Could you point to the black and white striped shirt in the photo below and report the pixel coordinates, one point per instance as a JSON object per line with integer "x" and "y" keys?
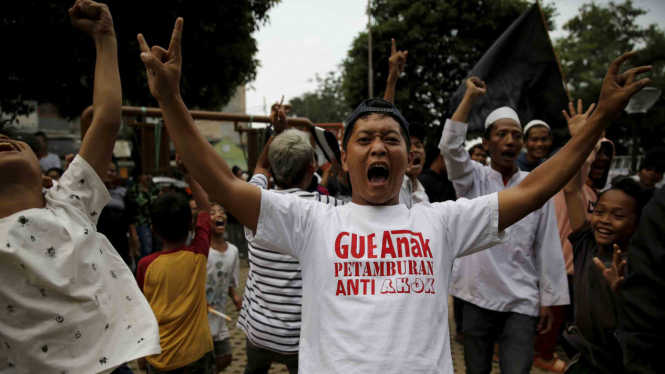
{"x": 271, "y": 307}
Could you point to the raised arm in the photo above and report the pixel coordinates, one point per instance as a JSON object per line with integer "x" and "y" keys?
{"x": 573, "y": 189}
{"x": 396, "y": 64}
{"x": 459, "y": 166}
{"x": 239, "y": 198}
{"x": 278, "y": 121}
{"x": 543, "y": 182}
{"x": 97, "y": 147}
{"x": 201, "y": 198}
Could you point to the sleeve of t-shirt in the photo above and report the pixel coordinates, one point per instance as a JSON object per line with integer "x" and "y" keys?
{"x": 471, "y": 225}
{"x": 549, "y": 259}
{"x": 285, "y": 222}
{"x": 81, "y": 187}
{"x": 141, "y": 268}
{"x": 202, "y": 234}
{"x": 260, "y": 181}
{"x": 580, "y": 237}
{"x": 462, "y": 171}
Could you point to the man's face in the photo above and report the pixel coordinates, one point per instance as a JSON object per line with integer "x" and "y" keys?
{"x": 218, "y": 219}
{"x": 600, "y": 163}
{"x": 19, "y": 164}
{"x": 479, "y": 155}
{"x": 650, "y": 176}
{"x": 614, "y": 219}
{"x": 53, "y": 175}
{"x": 112, "y": 174}
{"x": 538, "y": 142}
{"x": 505, "y": 142}
{"x": 376, "y": 160}
{"x": 418, "y": 152}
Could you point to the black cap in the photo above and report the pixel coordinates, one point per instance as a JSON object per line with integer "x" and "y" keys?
{"x": 375, "y": 106}
{"x": 418, "y": 130}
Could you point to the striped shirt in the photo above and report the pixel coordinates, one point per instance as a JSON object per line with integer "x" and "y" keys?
{"x": 271, "y": 307}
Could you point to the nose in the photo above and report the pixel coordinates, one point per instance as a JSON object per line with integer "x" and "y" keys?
{"x": 377, "y": 147}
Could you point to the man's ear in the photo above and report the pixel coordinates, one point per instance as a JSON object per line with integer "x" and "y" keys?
{"x": 313, "y": 167}
{"x": 486, "y": 146}
{"x": 409, "y": 161}
{"x": 47, "y": 182}
{"x": 346, "y": 168}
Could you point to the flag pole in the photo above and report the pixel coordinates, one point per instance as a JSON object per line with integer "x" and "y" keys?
{"x": 563, "y": 76}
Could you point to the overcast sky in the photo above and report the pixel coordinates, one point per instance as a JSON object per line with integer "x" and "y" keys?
{"x": 306, "y": 37}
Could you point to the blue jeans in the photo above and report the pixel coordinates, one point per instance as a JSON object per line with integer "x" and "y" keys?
{"x": 122, "y": 369}
{"x": 145, "y": 239}
{"x": 515, "y": 333}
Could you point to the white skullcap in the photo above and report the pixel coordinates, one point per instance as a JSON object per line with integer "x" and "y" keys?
{"x": 502, "y": 113}
{"x": 535, "y": 122}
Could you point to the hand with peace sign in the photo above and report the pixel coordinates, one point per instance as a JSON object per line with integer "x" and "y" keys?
{"x": 619, "y": 87}
{"x": 163, "y": 66}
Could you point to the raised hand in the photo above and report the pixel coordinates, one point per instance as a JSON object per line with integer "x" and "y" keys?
{"x": 278, "y": 118}
{"x": 619, "y": 87}
{"x": 163, "y": 66}
{"x": 577, "y": 119}
{"x": 613, "y": 275}
{"x": 180, "y": 164}
{"x": 396, "y": 62}
{"x": 475, "y": 87}
{"x": 93, "y": 18}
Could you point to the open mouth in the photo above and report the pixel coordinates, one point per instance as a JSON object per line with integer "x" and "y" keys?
{"x": 220, "y": 223}
{"x": 8, "y": 147}
{"x": 508, "y": 155}
{"x": 604, "y": 233}
{"x": 378, "y": 173}
{"x": 416, "y": 161}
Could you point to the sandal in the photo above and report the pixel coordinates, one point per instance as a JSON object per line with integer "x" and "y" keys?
{"x": 557, "y": 366}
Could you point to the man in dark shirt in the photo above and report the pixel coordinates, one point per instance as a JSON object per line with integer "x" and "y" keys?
{"x": 435, "y": 180}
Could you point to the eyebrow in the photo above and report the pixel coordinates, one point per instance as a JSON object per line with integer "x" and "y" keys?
{"x": 383, "y": 132}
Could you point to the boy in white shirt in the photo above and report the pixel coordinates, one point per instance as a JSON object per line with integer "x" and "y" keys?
{"x": 375, "y": 274}
{"x": 70, "y": 304}
{"x": 222, "y": 280}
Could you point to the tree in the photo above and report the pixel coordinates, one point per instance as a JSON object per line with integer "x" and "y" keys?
{"x": 444, "y": 38}
{"x": 597, "y": 35}
{"x": 46, "y": 60}
{"x": 325, "y": 104}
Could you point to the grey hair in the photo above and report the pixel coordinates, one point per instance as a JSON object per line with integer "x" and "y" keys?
{"x": 290, "y": 153}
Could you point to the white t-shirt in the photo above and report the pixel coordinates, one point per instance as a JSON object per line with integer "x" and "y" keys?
{"x": 378, "y": 305}
{"x": 69, "y": 302}
{"x": 49, "y": 162}
{"x": 223, "y": 271}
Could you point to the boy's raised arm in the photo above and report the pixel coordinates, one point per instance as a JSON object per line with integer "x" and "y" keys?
{"x": 545, "y": 181}
{"x": 396, "y": 64}
{"x": 97, "y": 148}
{"x": 209, "y": 169}
{"x": 573, "y": 189}
{"x": 199, "y": 195}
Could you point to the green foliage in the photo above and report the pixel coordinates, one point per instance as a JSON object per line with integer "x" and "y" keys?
{"x": 47, "y": 60}
{"x": 444, "y": 38}
{"x": 599, "y": 34}
{"x": 325, "y": 104}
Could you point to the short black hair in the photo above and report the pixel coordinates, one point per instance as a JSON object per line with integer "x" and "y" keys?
{"x": 41, "y": 133}
{"x": 171, "y": 217}
{"x": 477, "y": 146}
{"x": 655, "y": 158}
{"x": 235, "y": 169}
{"x": 634, "y": 189}
{"x": 381, "y": 115}
{"x": 57, "y": 170}
{"x": 418, "y": 130}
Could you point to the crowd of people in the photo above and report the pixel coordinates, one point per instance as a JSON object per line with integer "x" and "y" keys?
{"x": 349, "y": 268}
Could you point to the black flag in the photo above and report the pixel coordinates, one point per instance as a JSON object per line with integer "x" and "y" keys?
{"x": 522, "y": 72}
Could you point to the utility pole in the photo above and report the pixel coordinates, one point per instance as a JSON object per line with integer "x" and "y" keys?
{"x": 370, "y": 71}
